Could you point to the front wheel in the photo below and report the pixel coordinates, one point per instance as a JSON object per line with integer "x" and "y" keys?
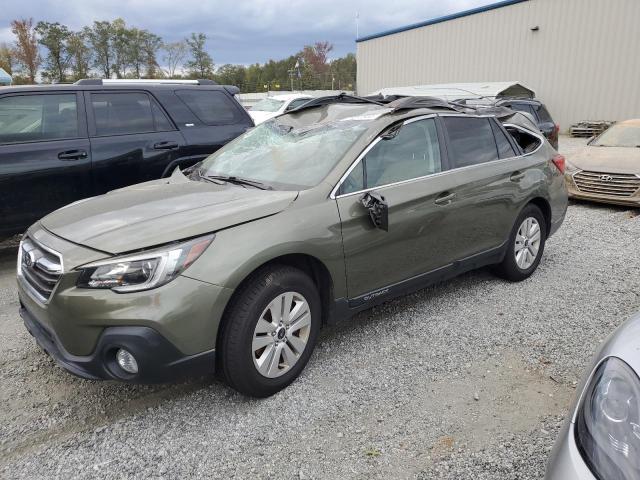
{"x": 525, "y": 247}
{"x": 269, "y": 331}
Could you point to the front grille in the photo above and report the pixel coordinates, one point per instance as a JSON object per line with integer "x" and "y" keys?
{"x": 40, "y": 268}
{"x": 617, "y": 184}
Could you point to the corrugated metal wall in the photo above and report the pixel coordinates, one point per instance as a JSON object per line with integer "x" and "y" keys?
{"x": 584, "y": 62}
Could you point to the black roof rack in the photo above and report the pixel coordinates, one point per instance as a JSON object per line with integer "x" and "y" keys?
{"x": 113, "y": 81}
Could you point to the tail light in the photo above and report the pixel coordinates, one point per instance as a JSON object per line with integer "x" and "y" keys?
{"x": 559, "y": 161}
{"x": 556, "y": 129}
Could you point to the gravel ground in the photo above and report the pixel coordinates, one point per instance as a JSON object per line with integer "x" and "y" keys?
{"x": 467, "y": 379}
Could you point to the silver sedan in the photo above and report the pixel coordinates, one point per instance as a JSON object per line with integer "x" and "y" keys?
{"x": 601, "y": 436}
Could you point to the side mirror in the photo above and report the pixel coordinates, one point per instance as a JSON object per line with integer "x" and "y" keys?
{"x": 378, "y": 209}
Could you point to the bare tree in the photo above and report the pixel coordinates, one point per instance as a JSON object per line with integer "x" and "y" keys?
{"x": 26, "y": 51}
{"x": 174, "y": 56}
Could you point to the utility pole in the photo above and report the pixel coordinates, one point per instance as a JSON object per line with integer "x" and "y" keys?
{"x": 357, "y": 25}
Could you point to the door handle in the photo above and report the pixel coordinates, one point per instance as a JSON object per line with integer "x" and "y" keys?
{"x": 517, "y": 176}
{"x": 72, "y": 155}
{"x": 445, "y": 198}
{"x": 165, "y": 145}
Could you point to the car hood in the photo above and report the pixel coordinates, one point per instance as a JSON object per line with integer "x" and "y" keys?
{"x": 259, "y": 116}
{"x": 161, "y": 211}
{"x": 607, "y": 159}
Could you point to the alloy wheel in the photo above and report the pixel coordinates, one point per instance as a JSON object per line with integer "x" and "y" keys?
{"x": 281, "y": 334}
{"x": 527, "y": 243}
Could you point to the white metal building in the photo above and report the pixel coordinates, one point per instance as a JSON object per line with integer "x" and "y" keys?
{"x": 582, "y": 57}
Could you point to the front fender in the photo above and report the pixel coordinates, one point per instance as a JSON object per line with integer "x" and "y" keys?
{"x": 312, "y": 230}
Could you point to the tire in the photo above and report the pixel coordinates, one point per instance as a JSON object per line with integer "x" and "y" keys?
{"x": 266, "y": 322}
{"x": 518, "y": 266}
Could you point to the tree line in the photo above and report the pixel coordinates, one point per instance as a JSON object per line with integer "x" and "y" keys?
{"x": 50, "y": 52}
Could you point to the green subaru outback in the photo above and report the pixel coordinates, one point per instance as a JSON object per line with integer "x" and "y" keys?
{"x": 235, "y": 265}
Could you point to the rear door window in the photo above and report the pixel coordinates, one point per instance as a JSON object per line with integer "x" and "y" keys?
{"x": 210, "y": 107}
{"x": 471, "y": 141}
{"x": 37, "y": 117}
{"x": 119, "y": 113}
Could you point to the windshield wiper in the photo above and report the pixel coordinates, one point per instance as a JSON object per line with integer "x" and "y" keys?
{"x": 238, "y": 181}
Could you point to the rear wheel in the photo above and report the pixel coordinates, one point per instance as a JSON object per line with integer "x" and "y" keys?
{"x": 269, "y": 331}
{"x": 526, "y": 245}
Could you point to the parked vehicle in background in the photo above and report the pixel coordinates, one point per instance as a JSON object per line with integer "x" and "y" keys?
{"x": 540, "y": 114}
{"x": 531, "y": 106}
{"x": 607, "y": 169}
{"x": 62, "y": 143}
{"x": 600, "y": 439}
{"x": 276, "y": 105}
{"x": 304, "y": 220}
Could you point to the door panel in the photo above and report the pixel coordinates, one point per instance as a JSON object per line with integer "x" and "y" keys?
{"x": 34, "y": 181}
{"x": 123, "y": 160}
{"x": 482, "y": 213}
{"x": 132, "y": 141}
{"x": 417, "y": 240}
{"x": 41, "y": 169}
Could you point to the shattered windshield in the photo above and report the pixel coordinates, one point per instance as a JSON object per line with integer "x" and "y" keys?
{"x": 285, "y": 157}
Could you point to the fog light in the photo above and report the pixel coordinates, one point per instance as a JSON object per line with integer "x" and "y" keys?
{"x": 127, "y": 361}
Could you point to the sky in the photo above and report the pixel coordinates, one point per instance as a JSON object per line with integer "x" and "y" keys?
{"x": 242, "y": 31}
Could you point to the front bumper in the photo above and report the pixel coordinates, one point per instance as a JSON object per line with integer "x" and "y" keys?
{"x": 158, "y": 359}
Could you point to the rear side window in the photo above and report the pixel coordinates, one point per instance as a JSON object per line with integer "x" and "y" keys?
{"x": 119, "y": 113}
{"x": 211, "y": 107}
{"x": 543, "y": 114}
{"x": 471, "y": 140}
{"x": 30, "y": 118}
{"x": 505, "y": 150}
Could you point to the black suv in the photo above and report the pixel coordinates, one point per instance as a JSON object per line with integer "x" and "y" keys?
{"x": 62, "y": 143}
{"x": 540, "y": 115}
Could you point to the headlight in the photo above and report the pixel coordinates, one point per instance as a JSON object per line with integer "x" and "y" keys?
{"x": 608, "y": 422}
{"x": 144, "y": 270}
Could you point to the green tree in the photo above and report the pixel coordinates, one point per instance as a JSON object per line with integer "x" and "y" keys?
{"x": 121, "y": 41}
{"x": 201, "y": 63}
{"x": 80, "y": 54}
{"x": 230, "y": 75}
{"x": 54, "y": 37}
{"x": 343, "y": 72}
{"x": 99, "y": 37}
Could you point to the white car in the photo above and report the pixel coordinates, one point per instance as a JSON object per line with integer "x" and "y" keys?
{"x": 273, "y": 106}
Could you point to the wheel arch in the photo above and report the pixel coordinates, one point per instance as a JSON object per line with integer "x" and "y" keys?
{"x": 309, "y": 264}
{"x": 545, "y": 208}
